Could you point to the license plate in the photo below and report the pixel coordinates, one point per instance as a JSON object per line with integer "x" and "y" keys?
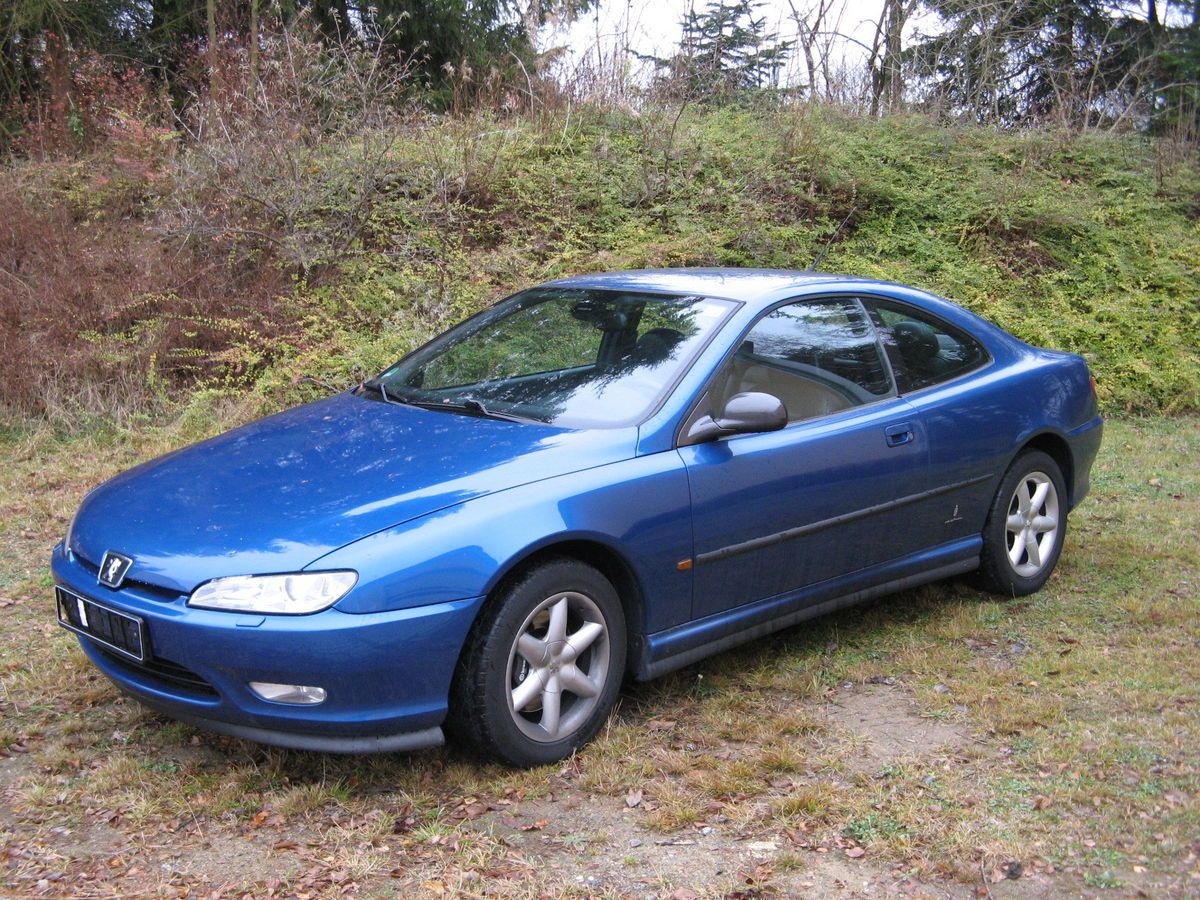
{"x": 116, "y": 630}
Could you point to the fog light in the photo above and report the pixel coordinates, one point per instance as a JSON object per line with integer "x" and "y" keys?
{"x": 298, "y": 694}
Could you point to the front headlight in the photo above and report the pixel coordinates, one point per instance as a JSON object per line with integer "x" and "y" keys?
{"x": 303, "y": 592}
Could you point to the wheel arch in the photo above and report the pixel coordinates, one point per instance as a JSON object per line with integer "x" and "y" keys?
{"x": 601, "y": 556}
{"x": 1058, "y": 449}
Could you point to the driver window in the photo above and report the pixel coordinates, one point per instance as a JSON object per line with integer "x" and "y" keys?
{"x": 817, "y": 356}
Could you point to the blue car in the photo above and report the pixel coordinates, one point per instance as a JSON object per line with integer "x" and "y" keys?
{"x": 603, "y": 477}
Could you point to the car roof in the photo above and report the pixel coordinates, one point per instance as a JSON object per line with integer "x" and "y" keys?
{"x": 745, "y": 285}
{"x": 759, "y": 289}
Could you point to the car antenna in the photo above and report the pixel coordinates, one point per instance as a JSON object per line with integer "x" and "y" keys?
{"x": 833, "y": 237}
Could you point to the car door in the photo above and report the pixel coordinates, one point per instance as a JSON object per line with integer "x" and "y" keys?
{"x": 968, "y": 440}
{"x": 779, "y": 511}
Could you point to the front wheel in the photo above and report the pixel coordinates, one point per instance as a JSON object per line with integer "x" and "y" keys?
{"x": 1026, "y": 526}
{"x": 542, "y": 668}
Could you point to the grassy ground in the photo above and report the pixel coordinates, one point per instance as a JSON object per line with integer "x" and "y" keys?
{"x": 936, "y": 742}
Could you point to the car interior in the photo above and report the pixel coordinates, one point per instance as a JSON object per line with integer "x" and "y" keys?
{"x": 805, "y": 390}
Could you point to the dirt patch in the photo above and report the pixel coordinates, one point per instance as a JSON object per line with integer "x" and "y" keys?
{"x": 888, "y": 727}
{"x": 223, "y": 860}
{"x": 610, "y": 848}
{"x": 600, "y": 846}
{"x": 13, "y": 769}
{"x": 64, "y": 861}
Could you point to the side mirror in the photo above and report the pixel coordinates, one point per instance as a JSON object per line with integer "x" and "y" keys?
{"x": 748, "y": 413}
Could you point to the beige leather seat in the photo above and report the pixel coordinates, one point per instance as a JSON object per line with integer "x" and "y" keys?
{"x": 803, "y": 397}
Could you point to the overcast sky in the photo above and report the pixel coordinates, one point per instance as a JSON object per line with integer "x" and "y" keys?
{"x": 653, "y": 26}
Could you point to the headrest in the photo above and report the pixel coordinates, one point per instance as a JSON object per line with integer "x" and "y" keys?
{"x": 916, "y": 340}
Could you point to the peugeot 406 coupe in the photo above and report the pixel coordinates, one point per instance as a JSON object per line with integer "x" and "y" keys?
{"x": 603, "y": 477}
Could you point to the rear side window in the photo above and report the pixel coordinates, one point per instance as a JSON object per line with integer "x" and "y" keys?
{"x": 922, "y": 348}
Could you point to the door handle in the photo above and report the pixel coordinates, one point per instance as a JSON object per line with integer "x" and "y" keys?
{"x": 899, "y": 434}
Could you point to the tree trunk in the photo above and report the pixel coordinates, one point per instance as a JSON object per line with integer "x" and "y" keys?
{"x": 1064, "y": 79}
{"x": 345, "y": 31}
{"x": 888, "y": 90}
{"x": 891, "y": 58}
{"x": 876, "y": 62}
{"x": 253, "y": 45}
{"x": 59, "y": 79}
{"x": 807, "y": 34}
{"x": 211, "y": 12}
{"x": 532, "y": 23}
{"x": 810, "y": 64}
{"x": 10, "y": 83}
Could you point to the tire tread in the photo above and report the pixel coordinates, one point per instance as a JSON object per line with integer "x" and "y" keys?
{"x": 995, "y": 574}
{"x": 473, "y": 721}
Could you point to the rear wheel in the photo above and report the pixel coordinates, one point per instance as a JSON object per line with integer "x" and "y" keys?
{"x": 1026, "y": 525}
{"x": 542, "y": 668}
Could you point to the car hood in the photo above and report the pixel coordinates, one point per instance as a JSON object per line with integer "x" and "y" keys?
{"x": 275, "y": 495}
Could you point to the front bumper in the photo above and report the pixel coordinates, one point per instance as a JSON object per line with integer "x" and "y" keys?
{"x": 387, "y": 674}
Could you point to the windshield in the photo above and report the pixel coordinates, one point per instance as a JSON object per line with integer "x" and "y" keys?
{"x": 571, "y": 357}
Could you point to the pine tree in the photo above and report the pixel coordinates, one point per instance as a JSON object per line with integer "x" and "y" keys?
{"x": 1079, "y": 63}
{"x": 1175, "y": 92}
{"x": 726, "y": 53}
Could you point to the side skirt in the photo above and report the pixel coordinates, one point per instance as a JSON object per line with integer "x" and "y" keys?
{"x": 685, "y": 644}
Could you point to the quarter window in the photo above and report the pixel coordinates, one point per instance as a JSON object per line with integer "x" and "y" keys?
{"x": 817, "y": 356}
{"x": 923, "y": 349}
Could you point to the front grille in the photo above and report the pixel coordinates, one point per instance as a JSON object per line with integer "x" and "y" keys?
{"x": 151, "y": 591}
{"x": 171, "y": 674}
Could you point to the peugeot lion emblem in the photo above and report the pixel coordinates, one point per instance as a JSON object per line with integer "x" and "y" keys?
{"x": 113, "y": 569}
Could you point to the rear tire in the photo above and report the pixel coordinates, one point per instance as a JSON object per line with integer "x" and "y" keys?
{"x": 1026, "y": 527}
{"x": 541, "y": 670}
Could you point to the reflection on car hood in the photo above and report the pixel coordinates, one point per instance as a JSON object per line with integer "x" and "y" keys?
{"x": 277, "y": 494}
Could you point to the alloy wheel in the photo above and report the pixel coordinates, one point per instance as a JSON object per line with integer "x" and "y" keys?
{"x": 557, "y": 666}
{"x": 1032, "y": 526}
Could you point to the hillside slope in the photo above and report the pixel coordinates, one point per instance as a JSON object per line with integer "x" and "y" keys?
{"x": 140, "y": 283}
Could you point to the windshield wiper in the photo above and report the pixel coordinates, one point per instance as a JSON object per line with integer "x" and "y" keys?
{"x": 376, "y": 384}
{"x": 471, "y": 407}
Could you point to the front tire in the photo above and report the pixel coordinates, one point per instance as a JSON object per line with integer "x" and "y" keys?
{"x": 1026, "y": 527}
{"x": 542, "y": 668}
